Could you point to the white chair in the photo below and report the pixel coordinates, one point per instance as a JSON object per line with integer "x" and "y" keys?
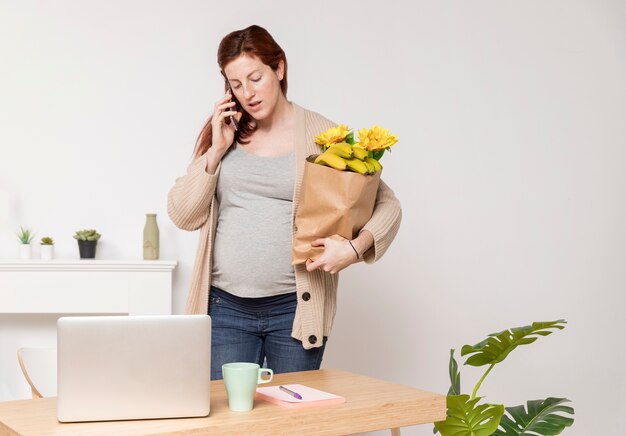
{"x": 39, "y": 366}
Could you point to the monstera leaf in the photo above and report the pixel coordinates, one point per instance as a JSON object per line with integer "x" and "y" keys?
{"x": 541, "y": 418}
{"x": 497, "y": 346}
{"x": 465, "y": 418}
{"x": 455, "y": 379}
{"x": 455, "y": 376}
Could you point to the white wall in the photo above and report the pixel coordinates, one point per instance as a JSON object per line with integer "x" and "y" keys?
{"x": 510, "y": 116}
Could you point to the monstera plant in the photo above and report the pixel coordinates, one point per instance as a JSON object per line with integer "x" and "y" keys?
{"x": 466, "y": 417}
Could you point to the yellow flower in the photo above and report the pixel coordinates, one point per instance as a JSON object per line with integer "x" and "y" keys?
{"x": 334, "y": 135}
{"x": 376, "y": 138}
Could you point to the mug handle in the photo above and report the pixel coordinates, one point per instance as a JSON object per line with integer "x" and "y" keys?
{"x": 267, "y": 370}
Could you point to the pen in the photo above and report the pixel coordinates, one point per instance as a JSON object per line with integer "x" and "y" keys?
{"x": 290, "y": 392}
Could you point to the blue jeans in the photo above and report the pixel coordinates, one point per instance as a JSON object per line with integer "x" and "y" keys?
{"x": 243, "y": 331}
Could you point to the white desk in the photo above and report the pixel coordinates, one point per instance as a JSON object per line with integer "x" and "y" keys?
{"x": 34, "y": 293}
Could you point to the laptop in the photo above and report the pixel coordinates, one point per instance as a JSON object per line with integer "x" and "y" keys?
{"x": 133, "y": 367}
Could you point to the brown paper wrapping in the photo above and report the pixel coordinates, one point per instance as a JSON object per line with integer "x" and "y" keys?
{"x": 331, "y": 202}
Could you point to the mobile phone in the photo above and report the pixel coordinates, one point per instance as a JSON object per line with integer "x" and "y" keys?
{"x": 236, "y": 107}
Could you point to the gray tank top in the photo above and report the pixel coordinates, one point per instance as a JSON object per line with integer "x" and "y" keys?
{"x": 252, "y": 248}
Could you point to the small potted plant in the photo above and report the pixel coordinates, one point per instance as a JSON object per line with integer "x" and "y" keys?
{"x": 47, "y": 248}
{"x": 87, "y": 242}
{"x": 25, "y": 236}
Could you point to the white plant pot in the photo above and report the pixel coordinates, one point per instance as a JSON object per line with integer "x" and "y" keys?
{"x": 25, "y": 251}
{"x": 47, "y": 252}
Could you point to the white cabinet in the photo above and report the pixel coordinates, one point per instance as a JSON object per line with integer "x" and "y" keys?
{"x": 33, "y": 294}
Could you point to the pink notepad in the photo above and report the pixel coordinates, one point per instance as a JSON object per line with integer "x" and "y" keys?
{"x": 310, "y": 397}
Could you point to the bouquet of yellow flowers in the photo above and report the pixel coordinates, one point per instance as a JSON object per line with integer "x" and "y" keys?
{"x": 340, "y": 151}
{"x": 339, "y": 202}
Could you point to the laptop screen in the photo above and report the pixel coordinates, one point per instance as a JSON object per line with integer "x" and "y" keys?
{"x": 133, "y": 367}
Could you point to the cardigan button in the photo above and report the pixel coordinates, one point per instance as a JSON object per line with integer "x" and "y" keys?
{"x": 306, "y": 296}
{"x": 312, "y": 339}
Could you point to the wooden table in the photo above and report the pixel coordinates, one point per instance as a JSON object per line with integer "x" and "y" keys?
{"x": 371, "y": 404}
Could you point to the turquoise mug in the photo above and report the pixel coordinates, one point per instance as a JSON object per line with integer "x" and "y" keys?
{"x": 241, "y": 380}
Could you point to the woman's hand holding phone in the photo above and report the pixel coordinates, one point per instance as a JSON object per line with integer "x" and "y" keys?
{"x": 223, "y": 133}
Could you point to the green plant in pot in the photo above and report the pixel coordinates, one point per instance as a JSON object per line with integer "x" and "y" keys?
{"x": 87, "y": 243}
{"x": 47, "y": 248}
{"x": 466, "y": 417}
{"x": 25, "y": 236}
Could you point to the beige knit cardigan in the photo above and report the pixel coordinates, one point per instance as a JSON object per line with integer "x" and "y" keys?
{"x": 192, "y": 205}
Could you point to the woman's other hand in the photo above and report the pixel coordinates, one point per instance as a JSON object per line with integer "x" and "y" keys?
{"x": 338, "y": 254}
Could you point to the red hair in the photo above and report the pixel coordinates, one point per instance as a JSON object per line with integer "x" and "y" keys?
{"x": 252, "y": 41}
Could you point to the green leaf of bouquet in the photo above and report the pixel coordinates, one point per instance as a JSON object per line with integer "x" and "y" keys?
{"x": 497, "y": 346}
{"x": 378, "y": 154}
{"x": 350, "y": 138}
{"x": 542, "y": 418}
{"x": 465, "y": 418}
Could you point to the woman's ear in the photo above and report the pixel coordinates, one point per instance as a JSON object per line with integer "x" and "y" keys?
{"x": 280, "y": 71}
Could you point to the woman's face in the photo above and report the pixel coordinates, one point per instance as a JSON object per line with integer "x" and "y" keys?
{"x": 256, "y": 85}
